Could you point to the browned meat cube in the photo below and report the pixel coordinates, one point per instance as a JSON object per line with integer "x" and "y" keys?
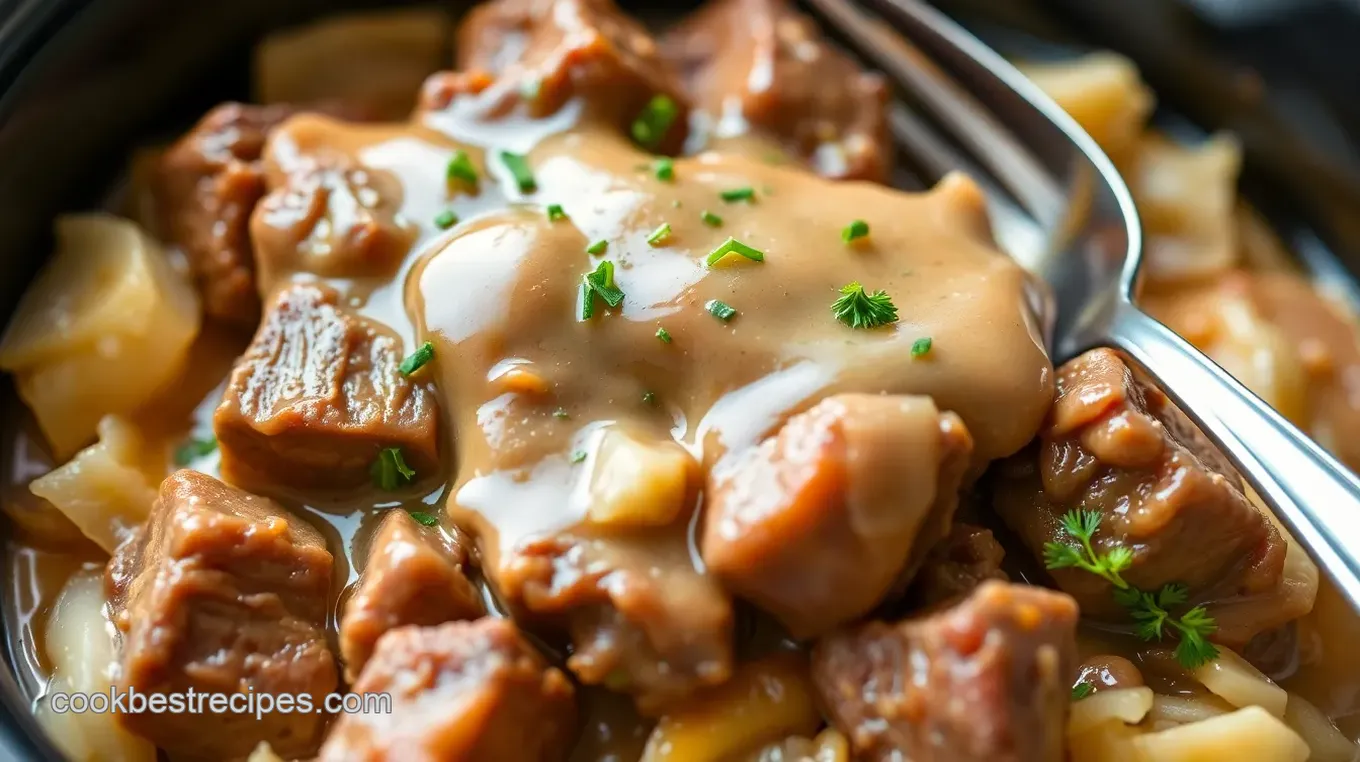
{"x": 759, "y": 64}
{"x": 205, "y": 188}
{"x": 969, "y": 556}
{"x": 1116, "y": 445}
{"x": 461, "y": 692}
{"x": 326, "y": 214}
{"x": 642, "y": 619}
{"x": 821, "y": 521}
{"x": 988, "y": 680}
{"x": 223, "y": 592}
{"x": 549, "y": 51}
{"x": 318, "y": 395}
{"x": 414, "y": 575}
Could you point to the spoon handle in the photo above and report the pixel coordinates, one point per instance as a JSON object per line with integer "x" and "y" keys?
{"x": 1316, "y": 496}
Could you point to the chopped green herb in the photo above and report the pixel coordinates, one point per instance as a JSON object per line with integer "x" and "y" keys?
{"x": 664, "y": 335}
{"x": 649, "y": 398}
{"x": 651, "y": 126}
{"x": 460, "y": 169}
{"x": 665, "y": 169}
{"x": 425, "y": 519}
{"x": 555, "y": 213}
{"x": 721, "y": 310}
{"x": 417, "y": 359}
{"x": 390, "y": 471}
{"x": 860, "y": 309}
{"x": 1151, "y": 613}
{"x": 710, "y": 219}
{"x": 733, "y": 246}
{"x": 194, "y": 448}
{"x": 1082, "y": 690}
{"x": 738, "y": 194}
{"x": 856, "y": 229}
{"x": 561, "y": 413}
{"x": 921, "y": 346}
{"x": 446, "y": 219}
{"x": 578, "y": 456}
{"x": 662, "y": 232}
{"x": 599, "y": 282}
{"x": 598, "y": 247}
{"x": 519, "y": 169}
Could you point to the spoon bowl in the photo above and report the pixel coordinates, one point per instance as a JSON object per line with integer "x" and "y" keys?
{"x": 1061, "y": 208}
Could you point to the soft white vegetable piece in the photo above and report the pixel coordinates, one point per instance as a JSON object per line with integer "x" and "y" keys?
{"x": 105, "y": 325}
{"x": 1231, "y": 678}
{"x": 106, "y": 489}
{"x": 1251, "y": 733}
{"x": 80, "y": 644}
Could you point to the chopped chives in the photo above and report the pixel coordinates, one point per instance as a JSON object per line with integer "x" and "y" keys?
{"x": 662, "y": 232}
{"x": 390, "y": 471}
{"x": 446, "y": 219}
{"x": 598, "y": 247}
{"x": 425, "y": 519}
{"x": 738, "y": 194}
{"x": 461, "y": 169}
{"x": 665, "y": 169}
{"x": 650, "y": 126}
{"x": 921, "y": 346}
{"x": 599, "y": 282}
{"x": 720, "y": 310}
{"x": 856, "y": 229}
{"x": 578, "y": 456}
{"x": 555, "y": 213}
{"x": 519, "y": 169}
{"x": 733, "y": 246}
{"x": 417, "y": 359}
{"x": 710, "y": 219}
{"x": 664, "y": 335}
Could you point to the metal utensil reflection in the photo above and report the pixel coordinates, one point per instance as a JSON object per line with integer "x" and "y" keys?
{"x": 1061, "y": 208}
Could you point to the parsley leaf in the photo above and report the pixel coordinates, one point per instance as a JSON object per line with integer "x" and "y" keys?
{"x": 921, "y": 347}
{"x": 858, "y": 308}
{"x": 1150, "y": 612}
{"x": 555, "y": 213}
{"x": 664, "y": 335}
{"x": 1082, "y": 690}
{"x": 460, "y": 169}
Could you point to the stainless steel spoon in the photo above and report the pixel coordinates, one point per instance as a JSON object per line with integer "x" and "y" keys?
{"x": 1062, "y": 209}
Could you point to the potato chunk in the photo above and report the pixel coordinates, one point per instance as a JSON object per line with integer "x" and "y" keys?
{"x": 107, "y": 308}
{"x": 638, "y": 483}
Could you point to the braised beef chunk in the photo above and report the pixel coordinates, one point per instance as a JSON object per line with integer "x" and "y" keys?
{"x": 205, "y": 188}
{"x": 987, "y": 680}
{"x": 330, "y": 217}
{"x": 761, "y": 61}
{"x": 546, "y": 52}
{"x": 821, "y": 520}
{"x": 223, "y": 592}
{"x": 1116, "y": 445}
{"x": 956, "y": 565}
{"x": 414, "y": 575}
{"x": 642, "y": 620}
{"x": 460, "y": 692}
{"x": 318, "y": 395}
